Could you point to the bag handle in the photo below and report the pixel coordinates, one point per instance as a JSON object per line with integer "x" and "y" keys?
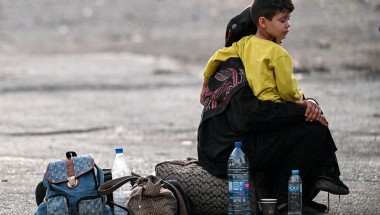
{"x": 112, "y": 185}
{"x": 71, "y": 154}
{"x": 183, "y": 210}
{"x": 192, "y": 160}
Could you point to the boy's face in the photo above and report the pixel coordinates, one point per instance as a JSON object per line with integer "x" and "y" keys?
{"x": 279, "y": 26}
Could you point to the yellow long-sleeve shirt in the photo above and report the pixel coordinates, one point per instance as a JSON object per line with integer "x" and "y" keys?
{"x": 268, "y": 68}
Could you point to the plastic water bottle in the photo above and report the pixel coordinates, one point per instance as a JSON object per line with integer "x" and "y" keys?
{"x": 295, "y": 193}
{"x": 121, "y": 168}
{"x": 238, "y": 182}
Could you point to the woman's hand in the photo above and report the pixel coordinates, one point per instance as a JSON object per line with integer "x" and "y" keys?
{"x": 203, "y": 93}
{"x": 313, "y": 112}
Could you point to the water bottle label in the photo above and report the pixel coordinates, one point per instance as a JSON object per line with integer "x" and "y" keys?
{"x": 294, "y": 188}
{"x": 239, "y": 188}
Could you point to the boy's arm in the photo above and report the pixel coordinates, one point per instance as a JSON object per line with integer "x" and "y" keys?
{"x": 220, "y": 56}
{"x": 287, "y": 83}
{"x": 203, "y": 93}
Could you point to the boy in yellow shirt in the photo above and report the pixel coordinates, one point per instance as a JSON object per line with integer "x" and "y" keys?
{"x": 268, "y": 67}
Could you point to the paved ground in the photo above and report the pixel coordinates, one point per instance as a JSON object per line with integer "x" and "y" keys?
{"x": 90, "y": 104}
{"x": 93, "y": 103}
{"x": 68, "y": 81}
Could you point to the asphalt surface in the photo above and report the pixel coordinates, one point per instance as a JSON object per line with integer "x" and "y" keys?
{"x": 93, "y": 103}
{"x": 69, "y": 81}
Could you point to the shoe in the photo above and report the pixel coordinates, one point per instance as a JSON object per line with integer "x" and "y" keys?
{"x": 330, "y": 182}
{"x": 332, "y": 185}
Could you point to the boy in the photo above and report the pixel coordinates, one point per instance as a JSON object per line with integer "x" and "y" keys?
{"x": 267, "y": 65}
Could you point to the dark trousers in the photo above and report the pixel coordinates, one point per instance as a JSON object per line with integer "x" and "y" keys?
{"x": 273, "y": 154}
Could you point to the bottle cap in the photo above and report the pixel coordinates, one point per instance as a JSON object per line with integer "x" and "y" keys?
{"x": 295, "y": 171}
{"x": 238, "y": 144}
{"x": 119, "y": 150}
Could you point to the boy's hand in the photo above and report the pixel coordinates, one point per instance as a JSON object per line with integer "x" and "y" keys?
{"x": 203, "y": 93}
{"x": 322, "y": 119}
{"x": 313, "y": 112}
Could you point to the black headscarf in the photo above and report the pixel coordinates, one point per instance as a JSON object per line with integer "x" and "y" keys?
{"x": 240, "y": 26}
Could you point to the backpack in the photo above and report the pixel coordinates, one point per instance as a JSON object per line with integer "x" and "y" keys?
{"x": 72, "y": 187}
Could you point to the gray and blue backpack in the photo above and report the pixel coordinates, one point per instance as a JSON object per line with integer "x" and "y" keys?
{"x": 72, "y": 187}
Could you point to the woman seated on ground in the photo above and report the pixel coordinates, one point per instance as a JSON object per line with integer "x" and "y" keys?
{"x": 277, "y": 137}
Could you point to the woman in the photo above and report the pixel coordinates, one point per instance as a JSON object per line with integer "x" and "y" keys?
{"x": 277, "y": 137}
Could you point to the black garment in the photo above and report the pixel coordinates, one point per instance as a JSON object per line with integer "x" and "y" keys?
{"x": 276, "y": 138}
{"x": 240, "y": 26}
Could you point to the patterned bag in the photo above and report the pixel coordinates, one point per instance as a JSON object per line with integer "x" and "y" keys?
{"x": 208, "y": 194}
{"x": 150, "y": 195}
{"x": 72, "y": 187}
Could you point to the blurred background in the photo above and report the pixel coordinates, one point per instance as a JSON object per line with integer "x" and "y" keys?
{"x": 325, "y": 35}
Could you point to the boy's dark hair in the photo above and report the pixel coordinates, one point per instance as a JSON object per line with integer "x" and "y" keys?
{"x": 269, "y": 8}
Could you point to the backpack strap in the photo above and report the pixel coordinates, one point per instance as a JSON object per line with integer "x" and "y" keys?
{"x": 72, "y": 181}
